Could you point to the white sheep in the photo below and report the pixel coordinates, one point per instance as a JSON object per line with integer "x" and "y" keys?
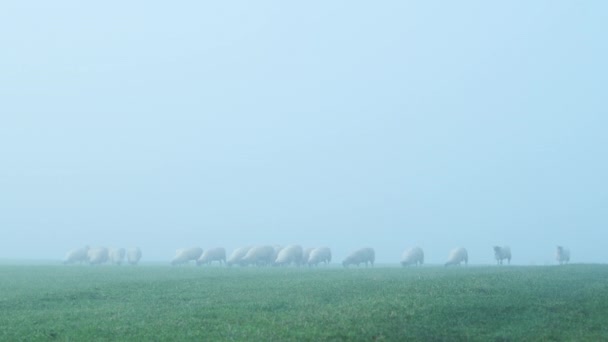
{"x": 289, "y": 254}
{"x": 97, "y": 255}
{"x": 213, "y": 254}
{"x": 562, "y": 255}
{"x": 133, "y": 255}
{"x": 501, "y": 253}
{"x": 77, "y": 255}
{"x": 363, "y": 255}
{"x": 116, "y": 255}
{"x": 237, "y": 255}
{"x": 319, "y": 255}
{"x": 184, "y": 255}
{"x": 413, "y": 256}
{"x": 457, "y": 256}
{"x": 260, "y": 256}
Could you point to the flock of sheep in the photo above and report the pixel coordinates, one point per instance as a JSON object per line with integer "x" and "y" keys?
{"x": 101, "y": 255}
{"x": 279, "y": 256}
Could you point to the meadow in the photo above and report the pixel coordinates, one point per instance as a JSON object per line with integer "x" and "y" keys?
{"x": 431, "y": 303}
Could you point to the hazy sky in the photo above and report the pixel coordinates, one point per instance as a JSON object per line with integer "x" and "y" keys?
{"x": 341, "y": 123}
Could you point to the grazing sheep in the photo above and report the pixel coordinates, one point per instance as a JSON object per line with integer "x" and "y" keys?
{"x": 363, "y": 255}
{"x": 116, "y": 255}
{"x": 237, "y": 256}
{"x": 290, "y": 254}
{"x": 413, "y": 256}
{"x": 501, "y": 253}
{"x": 76, "y": 255}
{"x": 97, "y": 255}
{"x": 213, "y": 254}
{"x": 319, "y": 255}
{"x": 259, "y": 255}
{"x": 133, "y": 255}
{"x": 457, "y": 256}
{"x": 184, "y": 255}
{"x": 562, "y": 255}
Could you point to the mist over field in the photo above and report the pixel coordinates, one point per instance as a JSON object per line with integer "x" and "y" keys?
{"x": 341, "y": 124}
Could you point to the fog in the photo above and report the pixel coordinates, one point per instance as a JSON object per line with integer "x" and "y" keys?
{"x": 342, "y": 124}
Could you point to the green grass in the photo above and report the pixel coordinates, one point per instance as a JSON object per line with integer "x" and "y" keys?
{"x": 161, "y": 303}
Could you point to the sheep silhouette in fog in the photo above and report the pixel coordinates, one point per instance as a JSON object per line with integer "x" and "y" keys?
{"x": 185, "y": 255}
{"x": 290, "y": 254}
{"x": 237, "y": 256}
{"x": 562, "y": 255}
{"x": 457, "y": 256}
{"x": 363, "y": 255}
{"x": 319, "y": 255}
{"x": 133, "y": 255}
{"x": 501, "y": 253}
{"x": 413, "y": 256}
{"x": 214, "y": 254}
{"x": 78, "y": 255}
{"x": 260, "y": 256}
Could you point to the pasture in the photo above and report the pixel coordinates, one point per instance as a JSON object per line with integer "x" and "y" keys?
{"x": 163, "y": 303}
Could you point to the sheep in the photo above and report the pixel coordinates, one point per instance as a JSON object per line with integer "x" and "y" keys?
{"x": 289, "y": 254}
{"x": 562, "y": 255}
{"x": 413, "y": 256}
{"x": 116, "y": 255}
{"x": 184, "y": 255}
{"x": 259, "y": 255}
{"x": 97, "y": 255}
{"x": 363, "y": 255}
{"x": 76, "y": 255}
{"x": 237, "y": 256}
{"x": 457, "y": 256}
{"x": 501, "y": 253}
{"x": 318, "y": 255}
{"x": 213, "y": 254}
{"x": 133, "y": 255}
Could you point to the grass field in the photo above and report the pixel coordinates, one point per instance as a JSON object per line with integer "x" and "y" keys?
{"x": 162, "y": 303}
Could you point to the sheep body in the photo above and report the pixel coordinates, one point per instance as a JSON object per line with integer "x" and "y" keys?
{"x": 185, "y": 255}
{"x": 562, "y": 255}
{"x": 133, "y": 255}
{"x": 97, "y": 255}
{"x": 363, "y": 255}
{"x": 79, "y": 255}
{"x": 290, "y": 254}
{"x": 116, "y": 255}
{"x": 213, "y": 254}
{"x": 319, "y": 255}
{"x": 412, "y": 256}
{"x": 501, "y": 253}
{"x": 457, "y": 256}
{"x": 259, "y": 255}
{"x": 237, "y": 256}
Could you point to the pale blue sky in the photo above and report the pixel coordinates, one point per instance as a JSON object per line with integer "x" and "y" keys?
{"x": 343, "y": 123}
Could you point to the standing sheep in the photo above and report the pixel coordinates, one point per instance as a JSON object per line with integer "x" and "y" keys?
{"x": 260, "y": 256}
{"x": 306, "y": 254}
{"x": 116, "y": 255}
{"x": 318, "y": 255}
{"x": 363, "y": 255}
{"x": 562, "y": 255}
{"x": 412, "y": 256}
{"x": 457, "y": 256}
{"x": 133, "y": 255}
{"x": 97, "y": 255}
{"x": 79, "y": 255}
{"x": 213, "y": 254}
{"x": 290, "y": 254}
{"x": 237, "y": 256}
{"x": 501, "y": 253}
{"x": 185, "y": 255}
